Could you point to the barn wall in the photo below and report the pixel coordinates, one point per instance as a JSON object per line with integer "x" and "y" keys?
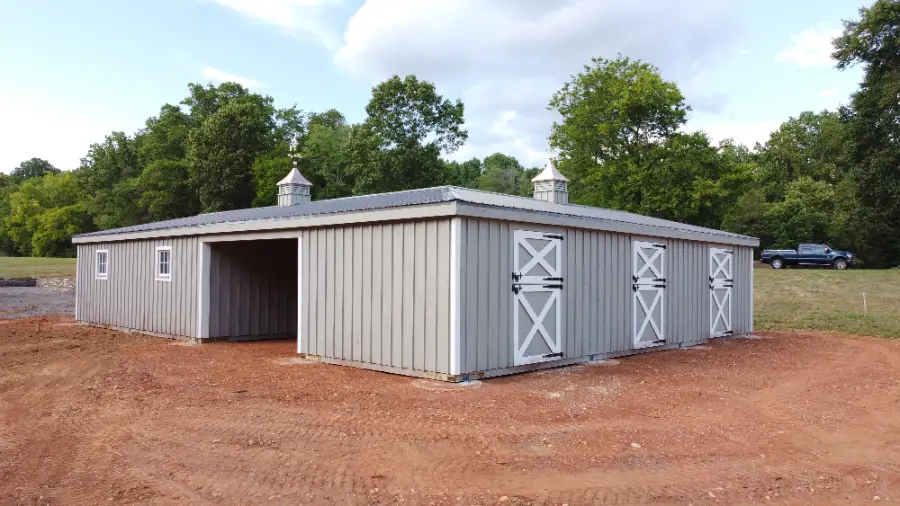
{"x": 253, "y": 288}
{"x": 743, "y": 290}
{"x": 378, "y": 294}
{"x": 597, "y": 268}
{"x": 131, "y": 297}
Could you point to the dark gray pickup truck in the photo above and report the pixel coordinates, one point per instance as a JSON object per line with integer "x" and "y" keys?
{"x": 808, "y": 255}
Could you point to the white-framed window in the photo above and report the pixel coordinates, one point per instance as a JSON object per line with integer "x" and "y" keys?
{"x": 101, "y": 265}
{"x": 164, "y": 263}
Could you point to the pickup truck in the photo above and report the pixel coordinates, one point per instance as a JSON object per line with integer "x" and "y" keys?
{"x": 808, "y": 255}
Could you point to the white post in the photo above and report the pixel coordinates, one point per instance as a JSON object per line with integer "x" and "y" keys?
{"x": 300, "y": 293}
{"x": 752, "y": 291}
{"x": 203, "y": 279}
{"x": 455, "y": 275}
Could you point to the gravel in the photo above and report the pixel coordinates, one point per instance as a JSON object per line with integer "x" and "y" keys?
{"x": 27, "y": 301}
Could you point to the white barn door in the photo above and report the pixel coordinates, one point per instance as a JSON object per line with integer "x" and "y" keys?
{"x": 649, "y": 287}
{"x": 721, "y": 284}
{"x": 537, "y": 285}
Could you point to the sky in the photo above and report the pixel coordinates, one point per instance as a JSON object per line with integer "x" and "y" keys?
{"x": 73, "y": 72}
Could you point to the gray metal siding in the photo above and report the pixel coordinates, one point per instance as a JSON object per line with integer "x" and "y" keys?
{"x": 131, "y": 297}
{"x": 253, "y": 288}
{"x": 743, "y": 290}
{"x": 597, "y": 268}
{"x": 378, "y": 294}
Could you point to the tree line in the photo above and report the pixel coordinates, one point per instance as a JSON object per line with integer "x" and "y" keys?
{"x": 823, "y": 176}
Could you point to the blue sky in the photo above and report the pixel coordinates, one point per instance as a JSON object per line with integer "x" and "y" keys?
{"x": 74, "y": 71}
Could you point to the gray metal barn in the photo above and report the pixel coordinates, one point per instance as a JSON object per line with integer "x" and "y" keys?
{"x": 441, "y": 282}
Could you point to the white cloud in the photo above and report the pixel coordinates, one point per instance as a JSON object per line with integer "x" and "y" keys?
{"x": 311, "y": 18}
{"x": 829, "y": 93}
{"x": 518, "y": 52}
{"x": 811, "y": 47}
{"x": 220, "y": 76}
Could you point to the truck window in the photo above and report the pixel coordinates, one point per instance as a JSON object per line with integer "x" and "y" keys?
{"x": 816, "y": 249}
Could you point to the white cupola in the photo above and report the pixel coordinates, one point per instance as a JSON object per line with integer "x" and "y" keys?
{"x": 294, "y": 188}
{"x": 551, "y": 185}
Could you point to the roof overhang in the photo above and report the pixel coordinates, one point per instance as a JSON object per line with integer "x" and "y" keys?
{"x": 261, "y": 229}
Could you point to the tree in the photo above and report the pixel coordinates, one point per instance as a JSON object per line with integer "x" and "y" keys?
{"x": 223, "y": 149}
{"x": 504, "y": 174}
{"x": 107, "y": 181}
{"x": 166, "y": 136}
{"x": 873, "y": 124}
{"x": 408, "y": 126}
{"x": 613, "y": 113}
{"x": 810, "y": 145}
{"x": 35, "y": 167}
{"x": 463, "y": 174}
{"x": 326, "y": 159}
{"x": 44, "y": 212}
{"x": 166, "y": 191}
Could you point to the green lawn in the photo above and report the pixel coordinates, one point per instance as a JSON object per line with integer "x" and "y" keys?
{"x": 823, "y": 299}
{"x": 19, "y": 267}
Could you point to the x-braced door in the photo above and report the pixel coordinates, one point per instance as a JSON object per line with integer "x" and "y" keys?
{"x": 537, "y": 285}
{"x": 721, "y": 284}
{"x": 649, "y": 287}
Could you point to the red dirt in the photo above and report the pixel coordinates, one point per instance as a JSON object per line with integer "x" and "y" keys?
{"x": 90, "y": 416}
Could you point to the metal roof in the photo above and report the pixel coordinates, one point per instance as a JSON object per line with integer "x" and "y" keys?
{"x": 412, "y": 198}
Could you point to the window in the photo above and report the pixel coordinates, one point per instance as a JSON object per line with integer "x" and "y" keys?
{"x": 164, "y": 263}
{"x": 102, "y": 270}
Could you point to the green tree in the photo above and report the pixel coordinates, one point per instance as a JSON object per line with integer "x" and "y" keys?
{"x": 43, "y": 214}
{"x": 165, "y": 137}
{"x": 107, "y": 181}
{"x": 614, "y": 113}
{"x": 165, "y": 190}
{"x": 502, "y": 174}
{"x": 408, "y": 126}
{"x": 35, "y": 167}
{"x": 464, "y": 174}
{"x": 805, "y": 215}
{"x": 810, "y": 145}
{"x": 223, "y": 149}
{"x": 873, "y": 125}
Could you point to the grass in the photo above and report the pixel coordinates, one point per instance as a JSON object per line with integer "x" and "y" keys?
{"x": 820, "y": 299}
{"x": 26, "y": 267}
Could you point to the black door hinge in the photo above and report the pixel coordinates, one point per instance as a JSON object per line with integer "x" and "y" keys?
{"x": 553, "y": 355}
{"x": 553, "y": 236}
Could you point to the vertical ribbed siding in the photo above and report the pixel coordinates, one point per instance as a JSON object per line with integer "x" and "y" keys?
{"x": 131, "y": 297}
{"x": 743, "y": 290}
{"x": 379, "y": 294}
{"x": 253, "y": 288}
{"x": 598, "y": 299}
{"x": 687, "y": 291}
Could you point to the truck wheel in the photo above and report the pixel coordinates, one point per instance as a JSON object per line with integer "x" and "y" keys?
{"x": 840, "y": 264}
{"x": 777, "y": 263}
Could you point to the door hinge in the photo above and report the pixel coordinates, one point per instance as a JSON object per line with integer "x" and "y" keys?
{"x": 663, "y": 246}
{"x": 553, "y": 236}
{"x": 516, "y": 288}
{"x": 554, "y": 279}
{"x": 553, "y": 286}
{"x": 516, "y": 276}
{"x": 553, "y": 355}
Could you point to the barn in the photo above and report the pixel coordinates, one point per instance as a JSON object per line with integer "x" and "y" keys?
{"x": 447, "y": 283}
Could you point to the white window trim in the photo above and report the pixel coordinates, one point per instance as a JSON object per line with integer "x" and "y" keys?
{"x": 158, "y": 276}
{"x": 97, "y": 274}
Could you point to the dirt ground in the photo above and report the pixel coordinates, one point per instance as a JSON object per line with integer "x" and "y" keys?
{"x": 91, "y": 416}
